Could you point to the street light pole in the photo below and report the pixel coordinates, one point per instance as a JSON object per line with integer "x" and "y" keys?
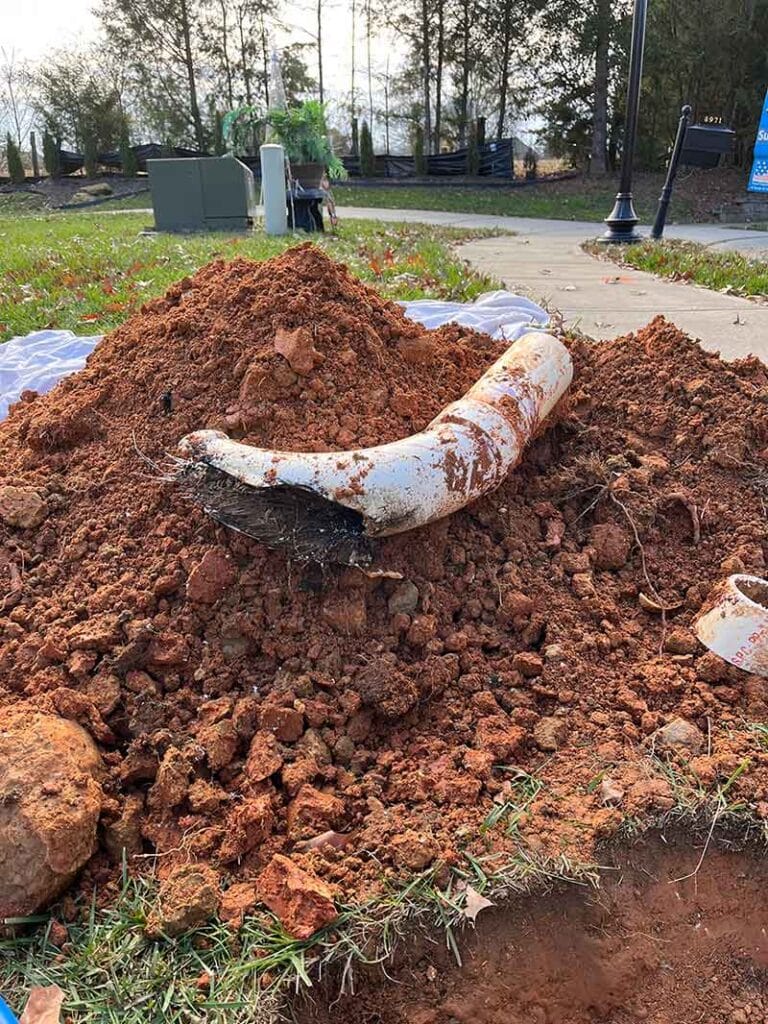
{"x": 623, "y": 219}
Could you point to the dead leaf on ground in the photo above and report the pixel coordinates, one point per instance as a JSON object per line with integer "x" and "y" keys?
{"x": 43, "y": 1006}
{"x": 336, "y": 840}
{"x": 475, "y": 902}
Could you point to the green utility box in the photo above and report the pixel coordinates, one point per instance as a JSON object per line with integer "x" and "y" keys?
{"x": 202, "y": 194}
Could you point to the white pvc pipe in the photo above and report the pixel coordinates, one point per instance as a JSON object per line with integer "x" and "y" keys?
{"x": 734, "y": 623}
{"x": 273, "y": 189}
{"x": 465, "y": 452}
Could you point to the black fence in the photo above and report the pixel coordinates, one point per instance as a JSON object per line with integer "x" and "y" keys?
{"x": 70, "y": 162}
{"x": 496, "y": 160}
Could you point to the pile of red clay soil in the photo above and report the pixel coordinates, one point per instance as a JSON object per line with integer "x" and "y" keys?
{"x": 283, "y": 735}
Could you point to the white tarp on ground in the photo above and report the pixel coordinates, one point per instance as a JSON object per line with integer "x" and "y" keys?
{"x": 37, "y": 361}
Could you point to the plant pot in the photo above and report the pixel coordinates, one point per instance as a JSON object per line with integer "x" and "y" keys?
{"x": 309, "y": 175}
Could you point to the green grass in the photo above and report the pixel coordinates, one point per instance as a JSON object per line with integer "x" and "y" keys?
{"x": 113, "y": 974}
{"x": 573, "y": 199}
{"x": 88, "y": 272}
{"x": 690, "y": 261}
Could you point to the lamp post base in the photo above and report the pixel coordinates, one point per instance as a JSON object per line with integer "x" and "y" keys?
{"x": 622, "y": 222}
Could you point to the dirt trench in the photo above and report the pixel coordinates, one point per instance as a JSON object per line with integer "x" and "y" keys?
{"x": 651, "y": 945}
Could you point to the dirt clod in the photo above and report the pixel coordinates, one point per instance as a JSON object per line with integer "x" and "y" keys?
{"x": 21, "y": 507}
{"x": 50, "y": 802}
{"x": 301, "y": 901}
{"x": 187, "y": 898}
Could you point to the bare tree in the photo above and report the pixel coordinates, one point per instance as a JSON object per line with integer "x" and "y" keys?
{"x": 320, "y": 88}
{"x": 16, "y": 111}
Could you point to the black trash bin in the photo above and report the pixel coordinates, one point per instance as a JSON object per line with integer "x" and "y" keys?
{"x": 305, "y": 208}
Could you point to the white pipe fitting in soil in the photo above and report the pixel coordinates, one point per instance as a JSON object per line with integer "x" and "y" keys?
{"x": 464, "y": 453}
{"x": 734, "y": 623}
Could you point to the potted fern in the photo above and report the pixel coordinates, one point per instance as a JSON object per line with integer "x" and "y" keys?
{"x": 303, "y": 134}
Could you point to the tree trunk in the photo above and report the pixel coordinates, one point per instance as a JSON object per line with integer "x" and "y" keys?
{"x": 464, "y": 95}
{"x": 506, "y": 41}
{"x": 225, "y": 54}
{"x": 386, "y": 103}
{"x": 189, "y": 65}
{"x": 597, "y": 160}
{"x": 265, "y": 58}
{"x": 370, "y": 69}
{"x": 439, "y": 73}
{"x": 426, "y": 70}
{"x": 320, "y": 88}
{"x": 352, "y": 112}
{"x": 245, "y": 58}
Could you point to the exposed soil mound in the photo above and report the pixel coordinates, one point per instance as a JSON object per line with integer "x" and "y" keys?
{"x": 251, "y": 709}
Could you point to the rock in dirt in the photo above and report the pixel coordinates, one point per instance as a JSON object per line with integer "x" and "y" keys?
{"x": 311, "y": 811}
{"x": 385, "y": 689}
{"x": 264, "y": 756}
{"x": 50, "y": 802}
{"x": 404, "y": 599}
{"x": 247, "y": 825}
{"x": 21, "y": 507}
{"x": 550, "y": 733}
{"x": 414, "y": 850}
{"x": 301, "y": 901}
{"x": 172, "y": 781}
{"x": 680, "y": 735}
{"x": 187, "y": 898}
{"x": 681, "y": 641}
{"x": 612, "y": 545}
{"x": 299, "y": 350}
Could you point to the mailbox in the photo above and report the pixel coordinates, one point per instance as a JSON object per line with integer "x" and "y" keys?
{"x": 706, "y": 143}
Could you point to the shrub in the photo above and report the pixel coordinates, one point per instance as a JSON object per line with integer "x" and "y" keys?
{"x": 51, "y": 154}
{"x": 90, "y": 155}
{"x": 15, "y": 166}
{"x": 127, "y": 156}
{"x": 367, "y": 160}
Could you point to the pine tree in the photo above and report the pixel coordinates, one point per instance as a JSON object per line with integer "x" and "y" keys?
{"x": 127, "y": 156}
{"x": 15, "y": 165}
{"x": 90, "y": 155}
{"x": 367, "y": 160}
{"x": 50, "y": 154}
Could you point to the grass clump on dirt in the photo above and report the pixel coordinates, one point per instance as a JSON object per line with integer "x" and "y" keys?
{"x": 729, "y": 271}
{"x": 88, "y": 273}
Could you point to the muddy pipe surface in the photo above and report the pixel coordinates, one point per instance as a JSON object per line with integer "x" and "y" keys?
{"x": 464, "y": 453}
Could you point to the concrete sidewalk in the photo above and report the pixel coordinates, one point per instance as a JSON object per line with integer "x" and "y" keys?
{"x": 545, "y": 261}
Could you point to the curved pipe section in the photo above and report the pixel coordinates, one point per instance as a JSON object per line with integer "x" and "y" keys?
{"x": 464, "y": 453}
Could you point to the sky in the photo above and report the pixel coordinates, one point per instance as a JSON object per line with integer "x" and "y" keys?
{"x": 34, "y": 26}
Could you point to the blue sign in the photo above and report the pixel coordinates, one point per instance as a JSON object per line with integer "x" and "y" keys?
{"x": 6, "y": 1017}
{"x": 758, "y": 179}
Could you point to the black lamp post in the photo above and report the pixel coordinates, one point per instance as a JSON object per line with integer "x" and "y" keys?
{"x": 623, "y": 219}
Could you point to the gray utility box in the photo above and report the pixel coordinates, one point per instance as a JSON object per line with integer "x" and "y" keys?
{"x": 202, "y": 194}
